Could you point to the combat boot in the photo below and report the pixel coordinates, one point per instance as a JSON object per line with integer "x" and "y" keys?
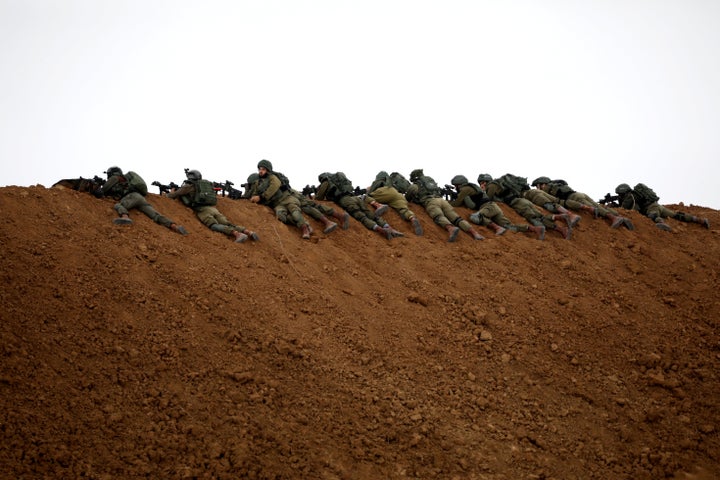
{"x": 393, "y": 233}
{"x": 566, "y": 232}
{"x": 497, "y": 228}
{"x": 380, "y": 208}
{"x": 452, "y": 232}
{"x": 616, "y": 220}
{"x": 383, "y": 231}
{"x": 344, "y": 217}
{"x": 572, "y": 218}
{"x": 416, "y": 225}
{"x": 306, "y": 231}
{"x": 589, "y": 209}
{"x": 702, "y": 221}
{"x": 251, "y": 234}
{"x": 628, "y": 223}
{"x": 123, "y": 219}
{"x": 178, "y": 228}
{"x": 239, "y": 236}
{"x": 660, "y": 223}
{"x": 329, "y": 226}
{"x": 539, "y": 230}
{"x": 474, "y": 233}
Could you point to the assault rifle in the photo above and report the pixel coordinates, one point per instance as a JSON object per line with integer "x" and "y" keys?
{"x": 449, "y": 192}
{"x": 166, "y": 188}
{"x": 309, "y": 190}
{"x": 81, "y": 184}
{"x": 360, "y": 191}
{"x": 611, "y": 201}
{"x": 227, "y": 189}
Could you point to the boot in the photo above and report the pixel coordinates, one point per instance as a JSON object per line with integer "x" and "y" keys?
{"x": 572, "y": 219}
{"x": 329, "y": 226}
{"x": 589, "y": 209}
{"x": 616, "y": 220}
{"x": 452, "y": 231}
{"x": 178, "y": 228}
{"x": 659, "y": 223}
{"x": 474, "y": 233}
{"x": 306, "y": 231}
{"x": 344, "y": 217}
{"x": 416, "y": 225}
{"x": 380, "y": 208}
{"x": 251, "y": 234}
{"x": 382, "y": 231}
{"x": 702, "y": 221}
{"x": 497, "y": 228}
{"x": 123, "y": 219}
{"x": 628, "y": 224}
{"x": 393, "y": 233}
{"x": 566, "y": 232}
{"x": 239, "y": 236}
{"x": 539, "y": 230}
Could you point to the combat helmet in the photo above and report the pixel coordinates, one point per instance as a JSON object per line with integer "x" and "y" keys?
{"x": 265, "y": 164}
{"x": 415, "y": 174}
{"x": 484, "y": 177}
{"x": 252, "y": 178}
{"x": 113, "y": 171}
{"x": 540, "y": 180}
{"x": 193, "y": 175}
{"x": 622, "y": 189}
{"x": 459, "y": 180}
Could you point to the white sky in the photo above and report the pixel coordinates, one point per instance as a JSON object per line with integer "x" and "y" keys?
{"x": 596, "y": 92}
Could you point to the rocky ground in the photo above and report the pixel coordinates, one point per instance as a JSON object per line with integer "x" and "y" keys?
{"x": 132, "y": 351}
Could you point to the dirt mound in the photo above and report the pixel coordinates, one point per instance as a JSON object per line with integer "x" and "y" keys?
{"x": 132, "y": 351}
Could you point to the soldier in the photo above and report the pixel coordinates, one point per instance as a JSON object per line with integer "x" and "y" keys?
{"x": 509, "y": 189}
{"x": 273, "y": 192}
{"x": 424, "y": 191}
{"x": 201, "y": 197}
{"x": 577, "y": 201}
{"x": 643, "y": 199}
{"x": 130, "y": 189}
{"x": 490, "y": 212}
{"x": 473, "y": 197}
{"x": 382, "y": 191}
{"x": 337, "y": 188}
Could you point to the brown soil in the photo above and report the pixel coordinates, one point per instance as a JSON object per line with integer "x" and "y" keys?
{"x": 131, "y": 351}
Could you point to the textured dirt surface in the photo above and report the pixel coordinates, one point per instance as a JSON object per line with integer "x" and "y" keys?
{"x": 131, "y": 351}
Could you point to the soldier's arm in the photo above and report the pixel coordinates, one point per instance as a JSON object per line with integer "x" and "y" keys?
{"x": 322, "y": 191}
{"x": 273, "y": 187}
{"x": 185, "y": 189}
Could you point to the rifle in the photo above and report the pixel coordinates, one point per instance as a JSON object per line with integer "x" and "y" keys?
{"x": 166, "y": 188}
{"x": 309, "y": 190}
{"x": 449, "y": 192}
{"x": 81, "y": 184}
{"x": 359, "y": 191}
{"x": 228, "y": 190}
{"x": 611, "y": 201}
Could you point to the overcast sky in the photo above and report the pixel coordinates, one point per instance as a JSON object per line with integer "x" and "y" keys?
{"x": 596, "y": 92}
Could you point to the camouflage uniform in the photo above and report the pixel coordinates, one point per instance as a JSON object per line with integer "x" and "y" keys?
{"x": 631, "y": 200}
{"x": 270, "y": 191}
{"x": 383, "y": 191}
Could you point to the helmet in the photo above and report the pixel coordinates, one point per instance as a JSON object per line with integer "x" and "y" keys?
{"x": 193, "y": 175}
{"x": 484, "y": 177}
{"x": 323, "y": 176}
{"x": 459, "y": 180}
{"x": 265, "y": 164}
{"x": 539, "y": 180}
{"x": 253, "y": 177}
{"x": 113, "y": 171}
{"x": 622, "y": 189}
{"x": 415, "y": 174}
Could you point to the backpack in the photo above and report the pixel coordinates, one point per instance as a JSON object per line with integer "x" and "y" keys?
{"x": 560, "y": 190}
{"x": 512, "y": 184}
{"x": 644, "y": 194}
{"x": 205, "y": 194}
{"x": 400, "y": 183}
{"x": 428, "y": 187}
{"x": 284, "y": 181}
{"x": 340, "y": 185}
{"x": 135, "y": 183}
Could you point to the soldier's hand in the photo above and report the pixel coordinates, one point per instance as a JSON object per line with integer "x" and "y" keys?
{"x": 255, "y": 198}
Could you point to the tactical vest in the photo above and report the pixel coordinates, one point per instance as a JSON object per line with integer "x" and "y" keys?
{"x": 205, "y": 195}
{"x": 340, "y": 186}
{"x": 479, "y": 197}
{"x": 135, "y": 183}
{"x": 644, "y": 195}
{"x": 561, "y": 191}
{"x": 427, "y": 188}
{"x": 400, "y": 183}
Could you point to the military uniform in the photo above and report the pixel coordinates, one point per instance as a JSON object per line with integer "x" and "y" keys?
{"x": 383, "y": 191}
{"x": 118, "y": 188}
{"x": 270, "y": 191}
{"x": 631, "y": 199}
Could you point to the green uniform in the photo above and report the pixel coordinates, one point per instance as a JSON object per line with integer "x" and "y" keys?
{"x": 275, "y": 195}
{"x": 521, "y": 205}
{"x": 118, "y": 188}
{"x": 424, "y": 192}
{"x": 353, "y": 205}
{"x": 209, "y": 215}
{"x": 383, "y": 191}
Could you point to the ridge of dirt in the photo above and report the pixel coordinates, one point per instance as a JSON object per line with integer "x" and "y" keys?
{"x": 136, "y": 352}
